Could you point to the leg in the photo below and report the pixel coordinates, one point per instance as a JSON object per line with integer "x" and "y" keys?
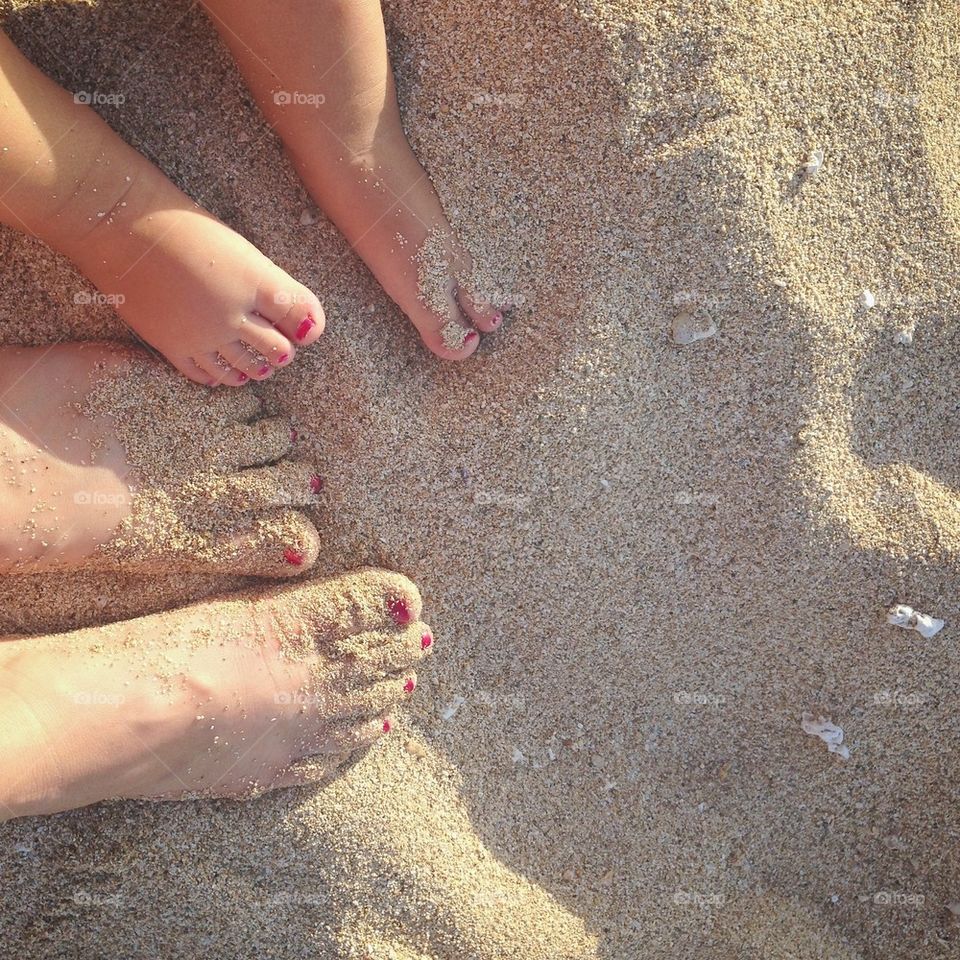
{"x": 97, "y": 475}
{"x": 321, "y": 75}
{"x": 218, "y": 309}
{"x": 227, "y": 698}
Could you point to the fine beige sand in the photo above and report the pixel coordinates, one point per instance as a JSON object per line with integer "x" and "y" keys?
{"x": 643, "y": 560}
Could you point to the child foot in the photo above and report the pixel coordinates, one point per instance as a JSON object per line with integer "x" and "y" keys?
{"x": 227, "y": 698}
{"x": 208, "y": 300}
{"x": 109, "y": 460}
{"x": 323, "y": 80}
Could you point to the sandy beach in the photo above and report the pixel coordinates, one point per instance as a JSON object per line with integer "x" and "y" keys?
{"x": 655, "y": 520}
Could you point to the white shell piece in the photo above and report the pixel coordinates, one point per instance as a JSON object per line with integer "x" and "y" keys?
{"x": 903, "y": 616}
{"x": 868, "y": 299}
{"x": 688, "y": 328}
{"x": 814, "y": 162}
{"x": 828, "y": 732}
{"x": 450, "y": 710}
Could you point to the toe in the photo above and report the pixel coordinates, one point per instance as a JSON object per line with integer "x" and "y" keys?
{"x": 387, "y": 652}
{"x": 445, "y": 330}
{"x": 255, "y": 444}
{"x": 363, "y": 601}
{"x": 350, "y": 737}
{"x": 244, "y": 358}
{"x": 283, "y": 544}
{"x": 220, "y": 371}
{"x": 285, "y": 484}
{"x": 484, "y": 315}
{"x": 379, "y": 697}
{"x": 267, "y": 341}
{"x": 294, "y": 311}
{"x": 192, "y": 371}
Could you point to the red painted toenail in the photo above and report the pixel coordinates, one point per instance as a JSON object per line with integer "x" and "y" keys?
{"x": 425, "y": 641}
{"x": 470, "y": 337}
{"x": 264, "y": 370}
{"x": 386, "y": 726}
{"x": 283, "y": 358}
{"x": 306, "y": 325}
{"x": 293, "y": 434}
{"x": 293, "y": 557}
{"x": 399, "y": 610}
{"x": 410, "y": 685}
{"x": 316, "y": 483}
{"x": 497, "y": 319}
{"x": 242, "y": 377}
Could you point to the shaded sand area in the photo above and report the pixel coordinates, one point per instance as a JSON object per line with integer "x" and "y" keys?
{"x": 642, "y": 560}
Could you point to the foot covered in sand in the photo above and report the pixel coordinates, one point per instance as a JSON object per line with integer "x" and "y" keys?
{"x": 350, "y": 149}
{"x": 228, "y": 698}
{"x": 109, "y": 461}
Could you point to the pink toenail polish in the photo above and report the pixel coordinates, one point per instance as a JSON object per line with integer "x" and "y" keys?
{"x": 283, "y": 358}
{"x": 243, "y": 378}
{"x": 293, "y": 557}
{"x": 264, "y": 370}
{"x": 399, "y": 610}
{"x": 425, "y": 641}
{"x": 316, "y": 483}
{"x": 306, "y": 325}
{"x": 386, "y": 726}
{"x": 497, "y": 319}
{"x": 470, "y": 337}
{"x": 410, "y": 685}
{"x": 293, "y": 434}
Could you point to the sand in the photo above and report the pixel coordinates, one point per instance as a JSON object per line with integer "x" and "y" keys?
{"x": 643, "y": 561}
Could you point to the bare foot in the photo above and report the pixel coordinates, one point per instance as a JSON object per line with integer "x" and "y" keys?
{"x": 324, "y": 82}
{"x": 208, "y": 300}
{"x": 108, "y": 460}
{"x": 227, "y": 698}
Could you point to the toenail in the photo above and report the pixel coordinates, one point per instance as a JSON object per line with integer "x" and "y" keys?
{"x": 425, "y": 641}
{"x": 399, "y": 610}
{"x": 410, "y": 685}
{"x": 306, "y": 325}
{"x": 283, "y": 358}
{"x": 316, "y": 483}
{"x": 386, "y": 726}
{"x": 293, "y": 557}
{"x": 242, "y": 377}
{"x": 293, "y": 434}
{"x": 497, "y": 319}
{"x": 264, "y": 370}
{"x": 470, "y": 337}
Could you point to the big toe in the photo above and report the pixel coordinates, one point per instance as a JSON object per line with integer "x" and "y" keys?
{"x": 293, "y": 310}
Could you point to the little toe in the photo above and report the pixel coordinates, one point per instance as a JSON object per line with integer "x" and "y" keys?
{"x": 256, "y": 444}
{"x": 192, "y": 371}
{"x": 380, "y": 696}
{"x": 351, "y": 737}
{"x": 220, "y": 371}
{"x": 296, "y": 313}
{"x": 247, "y": 360}
{"x": 445, "y": 330}
{"x": 484, "y": 315}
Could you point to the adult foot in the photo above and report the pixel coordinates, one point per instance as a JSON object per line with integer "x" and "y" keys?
{"x": 227, "y": 698}
{"x": 109, "y": 460}
{"x": 325, "y": 85}
{"x": 208, "y": 300}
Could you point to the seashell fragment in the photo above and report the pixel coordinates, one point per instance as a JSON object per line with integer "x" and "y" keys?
{"x": 903, "y": 616}
{"x": 687, "y": 328}
{"x": 905, "y": 337}
{"x": 828, "y": 732}
{"x": 450, "y": 710}
{"x": 868, "y": 300}
{"x": 813, "y": 163}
